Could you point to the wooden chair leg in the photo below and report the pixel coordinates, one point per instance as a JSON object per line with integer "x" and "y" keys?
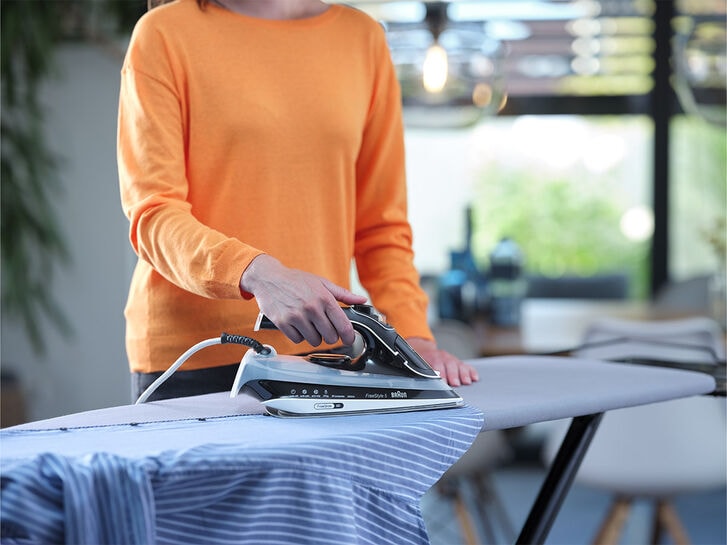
{"x": 465, "y": 522}
{"x": 669, "y": 520}
{"x": 610, "y": 529}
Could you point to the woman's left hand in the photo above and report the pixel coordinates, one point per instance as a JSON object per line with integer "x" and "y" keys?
{"x": 453, "y": 370}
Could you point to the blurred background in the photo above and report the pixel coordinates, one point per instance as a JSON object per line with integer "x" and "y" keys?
{"x": 589, "y": 133}
{"x": 599, "y": 148}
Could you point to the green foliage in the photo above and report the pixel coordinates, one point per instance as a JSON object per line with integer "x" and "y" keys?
{"x": 32, "y": 242}
{"x": 32, "y": 245}
{"x": 563, "y": 226}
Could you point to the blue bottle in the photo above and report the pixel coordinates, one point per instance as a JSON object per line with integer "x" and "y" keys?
{"x": 507, "y": 283}
{"x": 462, "y": 290}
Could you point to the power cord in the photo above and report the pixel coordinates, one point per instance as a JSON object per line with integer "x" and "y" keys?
{"x": 225, "y": 338}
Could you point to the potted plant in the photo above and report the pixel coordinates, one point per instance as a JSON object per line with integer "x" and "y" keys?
{"x": 32, "y": 242}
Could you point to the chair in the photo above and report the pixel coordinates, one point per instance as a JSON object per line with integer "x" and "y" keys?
{"x": 657, "y": 451}
{"x": 468, "y": 483}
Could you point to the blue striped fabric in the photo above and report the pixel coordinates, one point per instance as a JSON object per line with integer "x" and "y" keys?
{"x": 237, "y": 479}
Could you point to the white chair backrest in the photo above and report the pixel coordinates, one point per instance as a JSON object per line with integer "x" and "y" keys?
{"x": 690, "y": 340}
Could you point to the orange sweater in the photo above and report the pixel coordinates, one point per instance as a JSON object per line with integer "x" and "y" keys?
{"x": 240, "y": 136}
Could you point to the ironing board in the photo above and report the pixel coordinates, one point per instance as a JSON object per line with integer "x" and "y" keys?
{"x": 163, "y": 471}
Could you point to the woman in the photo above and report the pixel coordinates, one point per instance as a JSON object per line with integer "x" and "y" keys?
{"x": 260, "y": 152}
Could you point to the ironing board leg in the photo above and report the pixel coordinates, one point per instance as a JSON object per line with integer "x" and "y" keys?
{"x": 559, "y": 479}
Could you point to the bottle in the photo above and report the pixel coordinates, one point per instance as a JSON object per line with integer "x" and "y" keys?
{"x": 462, "y": 290}
{"x": 507, "y": 283}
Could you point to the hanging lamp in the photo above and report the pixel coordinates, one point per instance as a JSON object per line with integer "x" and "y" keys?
{"x": 451, "y": 73}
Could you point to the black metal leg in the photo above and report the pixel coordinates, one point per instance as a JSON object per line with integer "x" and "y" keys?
{"x": 559, "y": 479}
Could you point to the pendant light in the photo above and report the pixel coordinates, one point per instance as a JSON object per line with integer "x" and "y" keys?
{"x": 450, "y": 72}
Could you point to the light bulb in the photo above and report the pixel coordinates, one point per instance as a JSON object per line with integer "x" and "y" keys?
{"x": 434, "y": 71}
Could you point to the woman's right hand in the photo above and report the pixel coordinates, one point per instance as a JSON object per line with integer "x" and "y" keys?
{"x": 304, "y": 306}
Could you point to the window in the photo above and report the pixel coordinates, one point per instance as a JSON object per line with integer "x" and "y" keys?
{"x": 586, "y": 163}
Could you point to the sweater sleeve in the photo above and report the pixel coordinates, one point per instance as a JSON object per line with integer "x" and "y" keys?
{"x": 383, "y": 250}
{"x": 151, "y": 159}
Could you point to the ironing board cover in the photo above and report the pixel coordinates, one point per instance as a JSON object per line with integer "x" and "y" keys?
{"x": 222, "y": 474}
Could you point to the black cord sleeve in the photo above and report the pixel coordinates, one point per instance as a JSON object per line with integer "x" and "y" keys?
{"x": 257, "y": 346}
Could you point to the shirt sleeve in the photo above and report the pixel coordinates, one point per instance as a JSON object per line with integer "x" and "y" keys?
{"x": 153, "y": 184}
{"x": 383, "y": 250}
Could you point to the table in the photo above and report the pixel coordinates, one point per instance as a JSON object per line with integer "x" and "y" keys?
{"x": 554, "y": 325}
{"x": 350, "y": 478}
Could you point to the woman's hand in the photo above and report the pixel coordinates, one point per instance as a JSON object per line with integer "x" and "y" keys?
{"x": 304, "y": 306}
{"x": 453, "y": 370}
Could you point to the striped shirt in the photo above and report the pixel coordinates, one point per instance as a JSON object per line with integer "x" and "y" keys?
{"x": 229, "y": 478}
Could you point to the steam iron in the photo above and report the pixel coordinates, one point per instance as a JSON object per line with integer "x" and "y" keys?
{"x": 384, "y": 375}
